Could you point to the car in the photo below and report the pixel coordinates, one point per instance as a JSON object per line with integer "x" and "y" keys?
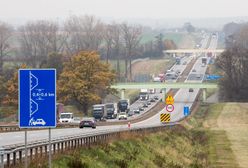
{"x": 156, "y": 79}
{"x": 156, "y": 97}
{"x": 198, "y": 75}
{"x": 130, "y": 113}
{"x": 141, "y": 109}
{"x": 122, "y": 116}
{"x": 152, "y": 100}
{"x": 136, "y": 111}
{"x": 148, "y": 103}
{"x": 193, "y": 70}
{"x": 88, "y": 122}
{"x": 145, "y": 104}
{"x": 191, "y": 90}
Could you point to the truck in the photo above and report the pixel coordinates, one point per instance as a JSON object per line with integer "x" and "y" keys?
{"x": 144, "y": 94}
{"x": 123, "y": 105}
{"x": 99, "y": 111}
{"x": 152, "y": 91}
{"x": 178, "y": 60}
{"x": 111, "y": 110}
{"x": 66, "y": 117}
{"x": 204, "y": 60}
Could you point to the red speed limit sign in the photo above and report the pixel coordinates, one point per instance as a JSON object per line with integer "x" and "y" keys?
{"x": 169, "y": 107}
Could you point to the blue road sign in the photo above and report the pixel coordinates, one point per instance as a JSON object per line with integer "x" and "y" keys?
{"x": 213, "y": 77}
{"x": 186, "y": 110}
{"x": 37, "y": 98}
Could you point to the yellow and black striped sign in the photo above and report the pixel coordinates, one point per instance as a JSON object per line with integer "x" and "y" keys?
{"x": 164, "y": 117}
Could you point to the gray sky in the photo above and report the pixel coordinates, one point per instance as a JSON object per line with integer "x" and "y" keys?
{"x": 154, "y": 9}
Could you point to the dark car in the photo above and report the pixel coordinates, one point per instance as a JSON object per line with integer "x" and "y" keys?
{"x": 87, "y": 122}
{"x": 141, "y": 109}
{"x": 156, "y": 97}
{"x": 136, "y": 111}
{"x": 193, "y": 70}
{"x": 191, "y": 90}
{"x": 130, "y": 113}
{"x": 152, "y": 100}
{"x": 145, "y": 104}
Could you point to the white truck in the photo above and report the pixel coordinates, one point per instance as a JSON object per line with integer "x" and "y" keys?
{"x": 66, "y": 117}
{"x": 152, "y": 91}
{"x": 144, "y": 95}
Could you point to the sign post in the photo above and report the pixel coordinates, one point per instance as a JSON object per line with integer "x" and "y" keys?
{"x": 37, "y": 101}
{"x": 186, "y": 110}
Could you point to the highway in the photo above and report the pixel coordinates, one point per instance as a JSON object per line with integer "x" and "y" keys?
{"x": 183, "y": 97}
{"x": 139, "y": 103}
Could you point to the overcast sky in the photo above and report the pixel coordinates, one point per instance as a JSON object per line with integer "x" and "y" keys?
{"x": 154, "y": 9}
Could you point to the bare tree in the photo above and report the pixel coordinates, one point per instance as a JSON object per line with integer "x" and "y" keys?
{"x": 38, "y": 39}
{"x": 117, "y": 45}
{"x": 131, "y": 37}
{"x": 5, "y": 48}
{"x": 84, "y": 33}
{"x": 108, "y": 37}
{"x": 234, "y": 63}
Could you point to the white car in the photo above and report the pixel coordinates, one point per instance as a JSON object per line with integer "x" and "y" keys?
{"x": 156, "y": 79}
{"x": 122, "y": 116}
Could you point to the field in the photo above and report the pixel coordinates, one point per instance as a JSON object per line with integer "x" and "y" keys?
{"x": 228, "y": 125}
{"x": 152, "y": 67}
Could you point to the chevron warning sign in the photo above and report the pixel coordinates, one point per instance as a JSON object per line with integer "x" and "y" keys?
{"x": 164, "y": 117}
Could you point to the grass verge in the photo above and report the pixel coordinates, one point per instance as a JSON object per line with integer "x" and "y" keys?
{"x": 173, "y": 148}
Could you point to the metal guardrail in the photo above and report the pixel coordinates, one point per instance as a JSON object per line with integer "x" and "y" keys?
{"x": 13, "y": 155}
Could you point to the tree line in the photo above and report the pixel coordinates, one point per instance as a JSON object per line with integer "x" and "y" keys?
{"x": 234, "y": 63}
{"x": 33, "y": 42}
{"x": 75, "y": 48}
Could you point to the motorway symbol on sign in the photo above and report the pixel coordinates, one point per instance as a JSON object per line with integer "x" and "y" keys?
{"x": 169, "y": 107}
{"x": 164, "y": 117}
{"x": 37, "y": 98}
{"x": 186, "y": 110}
{"x": 169, "y": 100}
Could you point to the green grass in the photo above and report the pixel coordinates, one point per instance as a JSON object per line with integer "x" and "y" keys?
{"x": 210, "y": 91}
{"x": 113, "y": 65}
{"x": 176, "y": 37}
{"x": 171, "y": 148}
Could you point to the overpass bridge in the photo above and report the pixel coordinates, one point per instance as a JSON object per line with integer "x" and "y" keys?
{"x": 164, "y": 86}
{"x": 183, "y": 51}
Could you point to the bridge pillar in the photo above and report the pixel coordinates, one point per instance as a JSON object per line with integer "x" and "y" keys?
{"x": 122, "y": 94}
{"x": 204, "y": 95}
{"x": 164, "y": 94}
